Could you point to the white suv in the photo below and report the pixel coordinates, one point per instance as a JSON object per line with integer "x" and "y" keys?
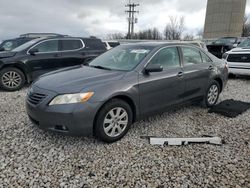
{"x": 238, "y": 59}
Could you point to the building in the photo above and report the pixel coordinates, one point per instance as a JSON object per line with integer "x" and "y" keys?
{"x": 224, "y": 18}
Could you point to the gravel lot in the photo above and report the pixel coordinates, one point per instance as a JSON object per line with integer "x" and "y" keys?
{"x": 30, "y": 157}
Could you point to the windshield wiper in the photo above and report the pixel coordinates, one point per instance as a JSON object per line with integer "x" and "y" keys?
{"x": 100, "y": 67}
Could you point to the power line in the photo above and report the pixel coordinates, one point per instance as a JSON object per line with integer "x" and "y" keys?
{"x": 132, "y": 20}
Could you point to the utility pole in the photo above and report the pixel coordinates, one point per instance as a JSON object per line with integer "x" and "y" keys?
{"x": 132, "y": 20}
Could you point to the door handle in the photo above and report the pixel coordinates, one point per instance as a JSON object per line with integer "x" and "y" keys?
{"x": 180, "y": 74}
{"x": 56, "y": 55}
{"x": 210, "y": 67}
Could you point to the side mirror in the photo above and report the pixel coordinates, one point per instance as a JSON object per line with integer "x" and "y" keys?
{"x": 153, "y": 68}
{"x": 2, "y": 49}
{"x": 33, "y": 51}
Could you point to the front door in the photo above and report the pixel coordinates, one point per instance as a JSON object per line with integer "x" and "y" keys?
{"x": 159, "y": 90}
{"x": 46, "y": 59}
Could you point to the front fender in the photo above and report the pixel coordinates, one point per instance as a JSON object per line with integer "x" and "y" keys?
{"x": 18, "y": 65}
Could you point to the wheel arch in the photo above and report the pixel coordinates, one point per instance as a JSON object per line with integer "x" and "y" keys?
{"x": 219, "y": 80}
{"x": 21, "y": 68}
{"x": 123, "y": 97}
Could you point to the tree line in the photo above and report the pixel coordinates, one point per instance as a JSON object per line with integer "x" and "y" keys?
{"x": 174, "y": 30}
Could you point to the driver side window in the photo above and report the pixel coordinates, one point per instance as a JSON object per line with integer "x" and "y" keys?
{"x": 167, "y": 58}
{"x": 47, "y": 46}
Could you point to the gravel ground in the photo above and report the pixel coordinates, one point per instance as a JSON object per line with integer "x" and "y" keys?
{"x": 30, "y": 157}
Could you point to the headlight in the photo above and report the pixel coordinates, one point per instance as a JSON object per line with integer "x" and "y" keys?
{"x": 224, "y": 56}
{"x": 71, "y": 98}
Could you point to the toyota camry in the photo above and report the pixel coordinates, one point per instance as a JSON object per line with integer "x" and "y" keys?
{"x": 123, "y": 85}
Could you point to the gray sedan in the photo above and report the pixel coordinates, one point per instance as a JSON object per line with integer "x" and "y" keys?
{"x": 124, "y": 85}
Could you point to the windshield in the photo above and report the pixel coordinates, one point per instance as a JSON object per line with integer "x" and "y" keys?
{"x": 225, "y": 41}
{"x": 8, "y": 45}
{"x": 245, "y": 43}
{"x": 123, "y": 58}
{"x": 25, "y": 45}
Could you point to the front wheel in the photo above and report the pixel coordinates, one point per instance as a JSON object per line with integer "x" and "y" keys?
{"x": 113, "y": 121}
{"x": 212, "y": 94}
{"x": 11, "y": 79}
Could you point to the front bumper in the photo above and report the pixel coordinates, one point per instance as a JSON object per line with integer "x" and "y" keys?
{"x": 239, "y": 68}
{"x": 70, "y": 119}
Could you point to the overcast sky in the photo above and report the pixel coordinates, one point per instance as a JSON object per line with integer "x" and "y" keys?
{"x": 94, "y": 17}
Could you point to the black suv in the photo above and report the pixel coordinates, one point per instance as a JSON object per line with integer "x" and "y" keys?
{"x": 36, "y": 57}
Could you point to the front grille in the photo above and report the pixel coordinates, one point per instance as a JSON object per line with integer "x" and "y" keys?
{"x": 242, "y": 58}
{"x": 36, "y": 98}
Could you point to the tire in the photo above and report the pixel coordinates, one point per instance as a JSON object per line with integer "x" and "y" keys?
{"x": 11, "y": 79}
{"x": 212, "y": 94}
{"x": 116, "y": 126}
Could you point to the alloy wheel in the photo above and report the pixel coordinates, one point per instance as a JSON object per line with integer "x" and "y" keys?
{"x": 213, "y": 93}
{"x": 11, "y": 79}
{"x": 115, "y": 122}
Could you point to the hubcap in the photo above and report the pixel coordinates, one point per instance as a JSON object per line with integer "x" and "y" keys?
{"x": 11, "y": 79}
{"x": 115, "y": 122}
{"x": 213, "y": 94}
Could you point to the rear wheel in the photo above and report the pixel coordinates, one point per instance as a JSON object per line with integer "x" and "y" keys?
{"x": 113, "y": 121}
{"x": 11, "y": 79}
{"x": 212, "y": 94}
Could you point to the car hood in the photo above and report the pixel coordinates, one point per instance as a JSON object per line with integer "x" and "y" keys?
{"x": 76, "y": 79}
{"x": 240, "y": 50}
{"x": 5, "y": 54}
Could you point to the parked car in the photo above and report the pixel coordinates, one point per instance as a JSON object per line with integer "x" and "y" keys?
{"x": 125, "y": 84}
{"x": 222, "y": 45}
{"x": 110, "y": 44}
{"x": 238, "y": 59}
{"x": 34, "y": 58}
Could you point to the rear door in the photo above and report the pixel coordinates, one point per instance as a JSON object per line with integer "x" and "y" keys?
{"x": 48, "y": 58}
{"x": 159, "y": 90}
{"x": 197, "y": 69}
{"x": 72, "y": 52}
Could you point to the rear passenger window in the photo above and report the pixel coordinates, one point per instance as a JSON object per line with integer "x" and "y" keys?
{"x": 167, "y": 58}
{"x": 191, "y": 56}
{"x": 71, "y": 45}
{"x": 205, "y": 58}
